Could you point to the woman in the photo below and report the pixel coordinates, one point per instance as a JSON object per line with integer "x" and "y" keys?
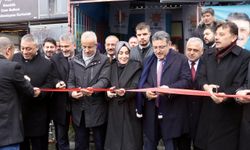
{"x": 124, "y": 128}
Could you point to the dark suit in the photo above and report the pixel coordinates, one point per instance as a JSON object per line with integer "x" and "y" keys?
{"x": 89, "y": 111}
{"x": 35, "y": 110}
{"x": 175, "y": 74}
{"x": 60, "y": 104}
{"x": 194, "y": 104}
{"x": 219, "y": 124}
{"x": 12, "y": 86}
{"x": 245, "y": 122}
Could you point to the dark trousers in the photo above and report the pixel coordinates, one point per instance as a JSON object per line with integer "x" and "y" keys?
{"x": 62, "y": 138}
{"x": 185, "y": 142}
{"x": 34, "y": 143}
{"x": 82, "y": 135}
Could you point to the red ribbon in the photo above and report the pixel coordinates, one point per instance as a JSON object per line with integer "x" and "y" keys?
{"x": 160, "y": 90}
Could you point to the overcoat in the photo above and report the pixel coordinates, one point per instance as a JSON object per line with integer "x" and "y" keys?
{"x": 245, "y": 122}
{"x": 60, "y": 101}
{"x": 12, "y": 86}
{"x": 97, "y": 75}
{"x": 35, "y": 110}
{"x": 124, "y": 131}
{"x": 219, "y": 124}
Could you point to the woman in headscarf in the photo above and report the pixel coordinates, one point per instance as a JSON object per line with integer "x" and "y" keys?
{"x": 124, "y": 131}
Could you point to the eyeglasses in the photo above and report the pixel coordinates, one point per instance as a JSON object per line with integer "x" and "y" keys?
{"x": 26, "y": 48}
{"x": 161, "y": 47}
{"x": 64, "y": 46}
{"x": 88, "y": 47}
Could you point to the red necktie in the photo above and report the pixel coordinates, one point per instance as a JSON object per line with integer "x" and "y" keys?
{"x": 193, "y": 70}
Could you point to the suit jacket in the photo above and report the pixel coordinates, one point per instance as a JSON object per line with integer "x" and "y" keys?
{"x": 60, "y": 101}
{"x": 220, "y": 123}
{"x": 175, "y": 74}
{"x": 12, "y": 86}
{"x": 97, "y": 75}
{"x": 35, "y": 110}
{"x": 194, "y": 104}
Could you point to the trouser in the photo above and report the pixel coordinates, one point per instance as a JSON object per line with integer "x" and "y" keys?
{"x": 62, "y": 137}
{"x": 82, "y": 135}
{"x": 34, "y": 143}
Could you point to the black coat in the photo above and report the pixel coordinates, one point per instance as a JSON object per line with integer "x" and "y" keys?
{"x": 219, "y": 123}
{"x": 60, "y": 101}
{"x": 96, "y": 75}
{"x": 12, "y": 86}
{"x": 124, "y": 130}
{"x": 245, "y": 122}
{"x": 35, "y": 110}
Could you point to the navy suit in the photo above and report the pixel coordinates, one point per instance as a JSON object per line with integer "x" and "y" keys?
{"x": 175, "y": 74}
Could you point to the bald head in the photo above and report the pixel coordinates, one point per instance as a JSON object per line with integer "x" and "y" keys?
{"x": 6, "y": 47}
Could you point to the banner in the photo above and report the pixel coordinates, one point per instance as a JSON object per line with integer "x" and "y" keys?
{"x": 230, "y": 12}
{"x": 119, "y": 17}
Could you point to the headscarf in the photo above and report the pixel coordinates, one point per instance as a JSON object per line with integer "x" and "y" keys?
{"x": 118, "y": 47}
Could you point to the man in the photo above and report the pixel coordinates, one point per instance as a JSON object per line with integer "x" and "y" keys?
{"x": 60, "y": 111}
{"x": 224, "y": 70}
{"x": 34, "y": 110}
{"x": 49, "y": 47}
{"x": 133, "y": 41}
{"x": 110, "y": 43}
{"x": 194, "y": 51}
{"x": 208, "y": 37}
{"x": 12, "y": 86}
{"x": 243, "y": 22}
{"x": 163, "y": 115}
{"x": 89, "y": 70}
{"x": 207, "y": 20}
{"x": 144, "y": 49}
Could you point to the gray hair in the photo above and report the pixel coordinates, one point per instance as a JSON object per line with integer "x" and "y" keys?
{"x": 112, "y": 36}
{"x": 161, "y": 35}
{"x": 207, "y": 10}
{"x": 67, "y": 37}
{"x": 30, "y": 38}
{"x": 4, "y": 44}
{"x": 89, "y": 35}
{"x": 196, "y": 39}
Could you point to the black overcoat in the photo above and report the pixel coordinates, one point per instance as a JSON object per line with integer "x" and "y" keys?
{"x": 219, "y": 124}
{"x": 35, "y": 110}
{"x": 124, "y": 130}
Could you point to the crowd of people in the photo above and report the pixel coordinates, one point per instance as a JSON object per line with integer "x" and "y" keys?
{"x": 216, "y": 59}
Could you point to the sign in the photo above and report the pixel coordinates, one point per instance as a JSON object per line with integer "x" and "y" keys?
{"x": 18, "y": 10}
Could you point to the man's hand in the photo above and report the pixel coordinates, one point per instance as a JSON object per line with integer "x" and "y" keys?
{"x": 151, "y": 95}
{"x": 120, "y": 92}
{"x": 37, "y": 91}
{"x": 111, "y": 93}
{"x": 243, "y": 99}
{"x": 61, "y": 85}
{"x": 88, "y": 91}
{"x": 77, "y": 94}
{"x": 217, "y": 99}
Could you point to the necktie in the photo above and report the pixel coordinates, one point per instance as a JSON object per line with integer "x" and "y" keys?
{"x": 193, "y": 70}
{"x": 159, "y": 72}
